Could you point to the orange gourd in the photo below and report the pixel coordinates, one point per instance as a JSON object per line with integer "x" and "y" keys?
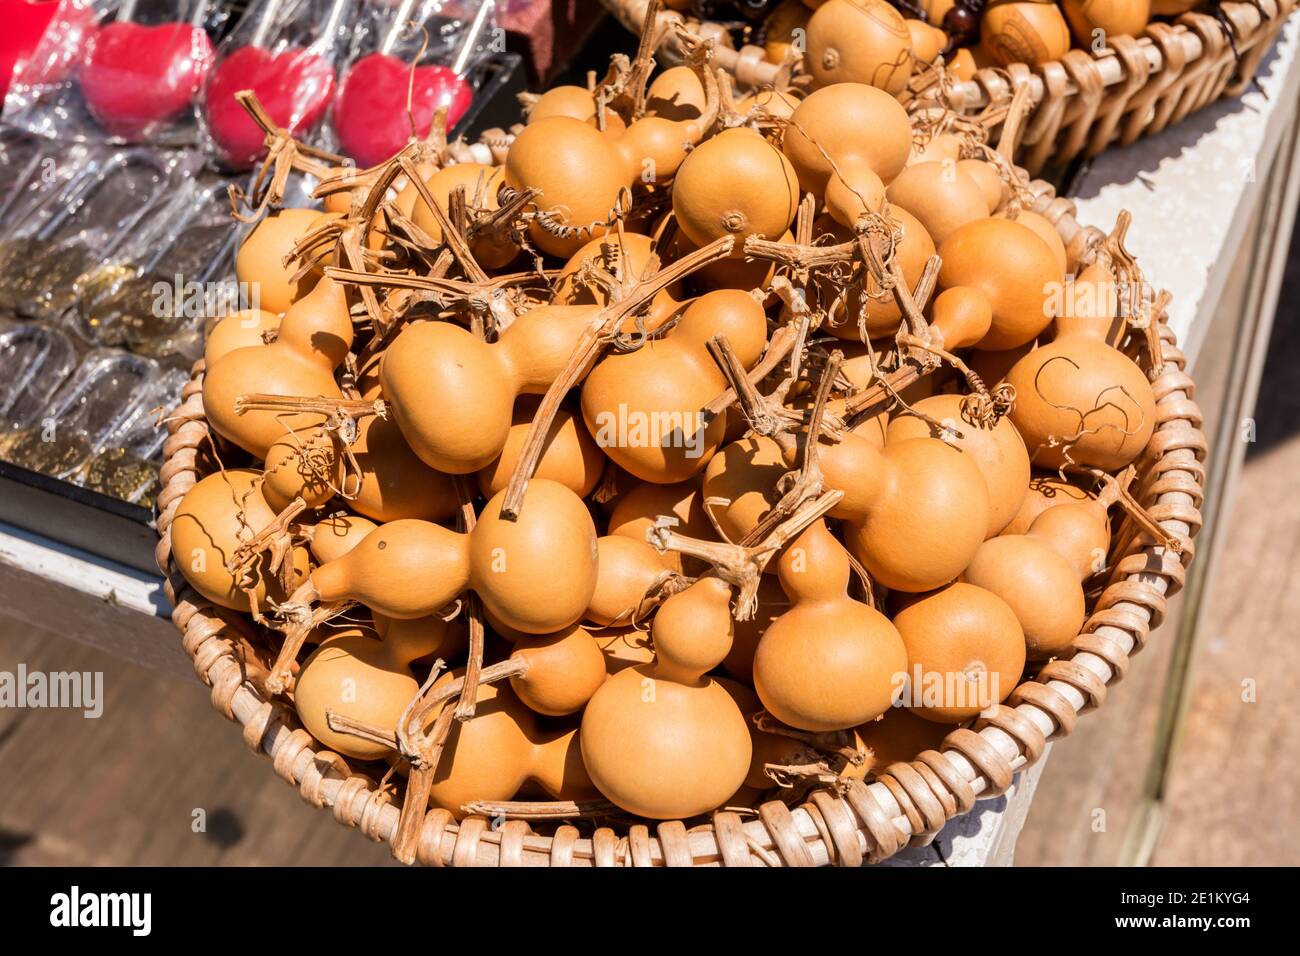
{"x": 355, "y": 675}
{"x": 735, "y": 184}
{"x": 965, "y": 652}
{"x": 559, "y": 672}
{"x": 481, "y": 185}
{"x": 410, "y": 568}
{"x": 580, "y": 171}
{"x": 829, "y": 662}
{"x": 260, "y": 260}
{"x": 940, "y": 196}
{"x": 1024, "y": 31}
{"x": 664, "y": 740}
{"x": 494, "y": 753}
{"x": 218, "y": 515}
{"x": 1039, "y": 573}
{"x": 569, "y": 457}
{"x": 643, "y": 407}
{"x": 453, "y": 395}
{"x": 998, "y": 451}
{"x": 626, "y": 570}
{"x": 824, "y": 142}
{"x": 1079, "y": 400}
{"x": 1013, "y": 267}
{"x": 883, "y": 316}
{"x": 915, "y": 512}
{"x": 859, "y": 41}
{"x": 314, "y": 338}
{"x": 239, "y": 330}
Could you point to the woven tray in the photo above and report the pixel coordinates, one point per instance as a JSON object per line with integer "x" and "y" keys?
{"x": 906, "y": 804}
{"x": 1083, "y": 102}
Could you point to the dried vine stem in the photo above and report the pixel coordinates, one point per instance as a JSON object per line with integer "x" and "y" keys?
{"x": 284, "y": 154}
{"x": 599, "y": 334}
{"x": 742, "y": 565}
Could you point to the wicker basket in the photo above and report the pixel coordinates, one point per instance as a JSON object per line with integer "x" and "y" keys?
{"x": 906, "y": 804}
{"x": 1085, "y": 101}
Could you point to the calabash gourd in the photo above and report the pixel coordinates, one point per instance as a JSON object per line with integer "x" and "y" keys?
{"x": 626, "y": 570}
{"x": 314, "y": 338}
{"x": 218, "y": 515}
{"x": 1078, "y": 399}
{"x": 1113, "y": 18}
{"x": 335, "y": 535}
{"x": 1013, "y": 267}
{"x": 915, "y": 512}
{"x": 965, "y": 652}
{"x": 883, "y": 315}
{"x": 664, "y": 740}
{"x": 643, "y": 408}
{"x": 1024, "y": 31}
{"x": 239, "y": 330}
{"x": 453, "y": 395}
{"x": 1045, "y": 491}
{"x": 940, "y": 195}
{"x": 824, "y": 138}
{"x": 579, "y": 171}
{"x": 260, "y": 259}
{"x": 411, "y": 568}
{"x": 859, "y": 41}
{"x": 999, "y": 451}
{"x": 736, "y": 184}
{"x": 829, "y": 662}
{"x": 560, "y": 671}
{"x": 494, "y": 753}
{"x": 569, "y": 457}
{"x": 481, "y": 185}
{"x": 354, "y": 674}
{"x": 740, "y": 484}
{"x": 1039, "y": 573}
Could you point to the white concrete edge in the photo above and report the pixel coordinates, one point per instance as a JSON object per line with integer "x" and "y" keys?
{"x": 1187, "y": 186}
{"x": 99, "y": 577}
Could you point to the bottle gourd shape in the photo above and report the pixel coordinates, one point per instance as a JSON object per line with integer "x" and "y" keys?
{"x": 664, "y": 740}
{"x": 643, "y": 407}
{"x": 829, "y": 662}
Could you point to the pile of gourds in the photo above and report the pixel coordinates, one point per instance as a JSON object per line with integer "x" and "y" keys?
{"x": 883, "y": 43}
{"x": 702, "y": 452}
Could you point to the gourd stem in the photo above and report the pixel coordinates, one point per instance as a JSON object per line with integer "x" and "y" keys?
{"x": 343, "y": 724}
{"x": 283, "y": 155}
{"x": 247, "y": 552}
{"x": 543, "y": 809}
{"x": 1116, "y": 491}
{"x": 742, "y": 565}
{"x": 454, "y": 239}
{"x": 596, "y": 337}
{"x": 778, "y": 348}
{"x": 335, "y": 408}
{"x": 303, "y": 620}
{"x": 473, "y": 612}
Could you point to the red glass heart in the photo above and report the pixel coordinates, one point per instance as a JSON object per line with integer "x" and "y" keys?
{"x": 370, "y": 114}
{"x": 134, "y": 76}
{"x": 293, "y": 85}
{"x": 25, "y": 25}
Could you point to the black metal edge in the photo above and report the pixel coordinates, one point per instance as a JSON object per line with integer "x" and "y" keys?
{"x": 79, "y": 517}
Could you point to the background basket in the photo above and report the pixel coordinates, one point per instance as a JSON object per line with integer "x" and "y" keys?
{"x": 906, "y": 803}
{"x": 1083, "y": 102}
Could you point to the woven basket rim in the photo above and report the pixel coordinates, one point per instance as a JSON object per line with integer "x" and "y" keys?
{"x": 1081, "y": 103}
{"x": 906, "y": 804}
